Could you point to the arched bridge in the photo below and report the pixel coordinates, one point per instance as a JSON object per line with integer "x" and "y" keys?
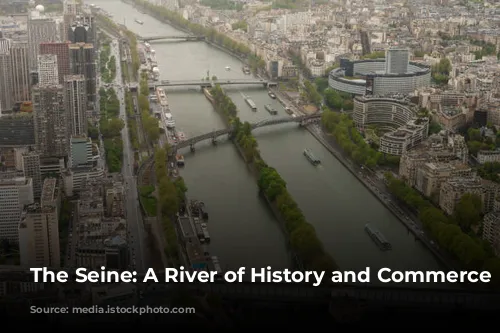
{"x": 185, "y": 37}
{"x": 302, "y": 120}
{"x": 210, "y": 83}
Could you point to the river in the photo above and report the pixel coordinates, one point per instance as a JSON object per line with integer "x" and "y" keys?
{"x": 243, "y": 230}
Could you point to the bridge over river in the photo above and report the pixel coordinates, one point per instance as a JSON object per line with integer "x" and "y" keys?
{"x": 211, "y": 83}
{"x": 301, "y": 120}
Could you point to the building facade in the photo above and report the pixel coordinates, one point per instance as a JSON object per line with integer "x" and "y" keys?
{"x": 61, "y": 50}
{"x": 75, "y": 103}
{"x": 47, "y": 70}
{"x": 15, "y": 193}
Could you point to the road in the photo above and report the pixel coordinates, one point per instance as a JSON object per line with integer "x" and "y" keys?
{"x": 135, "y": 225}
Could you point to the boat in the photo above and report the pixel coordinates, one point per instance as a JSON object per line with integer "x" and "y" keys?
{"x": 251, "y": 104}
{"x": 216, "y": 263}
{"x": 169, "y": 120}
{"x": 139, "y": 21}
{"x": 271, "y": 110}
{"x": 228, "y": 68}
{"x": 205, "y": 232}
{"x": 271, "y": 94}
{"x": 294, "y": 115}
{"x": 180, "y": 160}
{"x": 156, "y": 74}
{"x": 310, "y": 156}
{"x": 288, "y": 110}
{"x": 162, "y": 97}
{"x": 246, "y": 70}
{"x": 378, "y": 238}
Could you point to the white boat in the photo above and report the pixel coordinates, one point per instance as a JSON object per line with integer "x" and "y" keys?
{"x": 162, "y": 97}
{"x": 228, "y": 68}
{"x": 139, "y": 21}
{"x": 169, "y": 120}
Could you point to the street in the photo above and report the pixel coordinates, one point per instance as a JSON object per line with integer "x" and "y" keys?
{"x": 135, "y": 225}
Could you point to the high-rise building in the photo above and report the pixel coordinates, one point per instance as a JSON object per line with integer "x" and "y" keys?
{"x": 15, "y": 193}
{"x": 40, "y": 30}
{"x": 70, "y": 7}
{"x": 396, "y": 60}
{"x": 39, "y": 230}
{"x": 31, "y": 169}
{"x": 20, "y": 71}
{"x": 70, "y": 10}
{"x": 51, "y": 133}
{"x": 75, "y": 103}
{"x": 83, "y": 30}
{"x": 47, "y": 70}
{"x": 61, "y": 50}
{"x": 83, "y": 62}
{"x": 81, "y": 151}
{"x": 5, "y": 77}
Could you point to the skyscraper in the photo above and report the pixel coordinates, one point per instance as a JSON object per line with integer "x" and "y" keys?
{"x": 20, "y": 71}
{"x": 396, "y": 61}
{"x": 70, "y": 11}
{"x": 5, "y": 76}
{"x": 47, "y": 70}
{"x": 39, "y": 230}
{"x": 31, "y": 169}
{"x": 70, "y": 7}
{"x": 82, "y": 62}
{"x": 61, "y": 50}
{"x": 51, "y": 133}
{"x": 14, "y": 194}
{"x": 40, "y": 30}
{"x": 75, "y": 103}
{"x": 83, "y": 30}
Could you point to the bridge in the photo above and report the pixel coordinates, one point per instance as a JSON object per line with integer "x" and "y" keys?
{"x": 211, "y": 83}
{"x": 176, "y": 37}
{"x": 302, "y": 120}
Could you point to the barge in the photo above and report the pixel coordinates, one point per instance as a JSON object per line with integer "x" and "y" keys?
{"x": 180, "y": 160}
{"x": 251, "y": 103}
{"x": 310, "y": 157}
{"x": 271, "y": 94}
{"x": 378, "y": 238}
{"x": 139, "y": 22}
{"x": 271, "y": 110}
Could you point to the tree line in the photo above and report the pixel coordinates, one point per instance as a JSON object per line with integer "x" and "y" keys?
{"x": 302, "y": 235}
{"x": 170, "y": 195}
{"x": 210, "y": 34}
{"x": 150, "y": 123}
{"x": 451, "y": 233}
{"x": 342, "y": 128}
{"x": 110, "y": 126}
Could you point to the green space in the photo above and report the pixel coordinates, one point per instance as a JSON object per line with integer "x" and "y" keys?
{"x": 302, "y": 235}
{"x": 477, "y": 141}
{"x": 110, "y": 126}
{"x": 441, "y": 71}
{"x": 131, "y": 122}
{"x": 170, "y": 195}
{"x": 242, "y": 25}
{"x": 490, "y": 171}
{"x": 149, "y": 122}
{"x": 341, "y": 127}
{"x": 211, "y": 34}
{"x": 452, "y": 233}
{"x": 222, "y": 4}
{"x": 107, "y": 64}
{"x": 148, "y": 200}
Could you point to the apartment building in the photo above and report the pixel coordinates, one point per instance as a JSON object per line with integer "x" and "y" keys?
{"x": 430, "y": 176}
{"x": 454, "y": 188}
{"x": 491, "y": 230}
{"x": 485, "y": 156}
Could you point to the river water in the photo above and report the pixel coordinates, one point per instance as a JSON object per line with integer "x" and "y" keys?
{"x": 243, "y": 230}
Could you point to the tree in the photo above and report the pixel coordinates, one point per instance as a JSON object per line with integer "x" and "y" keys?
{"x": 305, "y": 242}
{"x": 468, "y": 211}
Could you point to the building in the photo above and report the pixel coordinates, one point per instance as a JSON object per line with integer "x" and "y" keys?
{"x": 83, "y": 29}
{"x": 83, "y": 62}
{"x": 75, "y": 103}
{"x": 61, "y": 50}
{"x": 6, "y": 102}
{"x": 369, "y": 77}
{"x": 17, "y": 130}
{"x": 47, "y": 70}
{"x": 15, "y": 193}
{"x": 405, "y": 138}
{"x": 71, "y": 7}
{"x": 40, "y": 29}
{"x": 491, "y": 230}
{"x": 430, "y": 176}
{"x": 50, "y": 120}
{"x": 31, "y": 169}
{"x": 397, "y": 60}
{"x": 454, "y": 188}
{"x": 81, "y": 152}
{"x": 19, "y": 65}
{"x": 488, "y": 156}
{"x": 39, "y": 230}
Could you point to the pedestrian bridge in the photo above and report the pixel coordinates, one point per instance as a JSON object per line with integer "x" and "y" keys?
{"x": 302, "y": 120}
{"x": 211, "y": 83}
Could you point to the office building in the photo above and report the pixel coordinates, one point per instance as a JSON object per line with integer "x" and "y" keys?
{"x": 61, "y": 50}
{"x": 397, "y": 60}
{"x": 39, "y": 230}
{"x": 15, "y": 193}
{"x": 5, "y": 77}
{"x": 51, "y": 134}
{"x": 30, "y": 162}
{"x": 491, "y": 230}
{"x": 75, "y": 103}
{"x": 83, "y": 30}
{"x": 454, "y": 188}
{"x": 81, "y": 152}
{"x": 40, "y": 30}
{"x": 83, "y": 62}
{"x": 17, "y": 130}
{"x": 71, "y": 7}
{"x": 47, "y": 70}
{"x": 20, "y": 71}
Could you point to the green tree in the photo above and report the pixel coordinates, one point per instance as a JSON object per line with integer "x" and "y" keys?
{"x": 468, "y": 211}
